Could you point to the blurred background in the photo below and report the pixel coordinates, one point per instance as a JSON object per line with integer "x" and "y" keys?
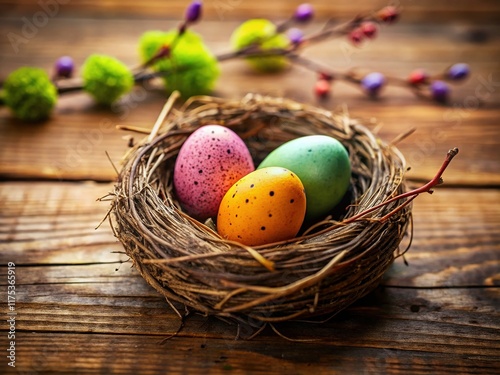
{"x": 478, "y": 11}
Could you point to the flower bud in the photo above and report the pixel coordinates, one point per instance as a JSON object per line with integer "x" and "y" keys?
{"x": 418, "y": 77}
{"x": 356, "y": 36}
{"x": 30, "y": 94}
{"x": 326, "y": 76}
{"x": 459, "y": 71}
{"x": 295, "y": 35}
{"x": 304, "y": 13}
{"x": 389, "y": 14}
{"x": 64, "y": 67}
{"x": 373, "y": 83}
{"x": 106, "y": 78}
{"x": 369, "y": 29}
{"x": 322, "y": 88}
{"x": 193, "y": 11}
{"x": 440, "y": 91}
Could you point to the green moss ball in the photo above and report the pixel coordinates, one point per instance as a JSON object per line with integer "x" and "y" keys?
{"x": 30, "y": 94}
{"x": 192, "y": 68}
{"x": 106, "y": 78}
{"x": 263, "y": 33}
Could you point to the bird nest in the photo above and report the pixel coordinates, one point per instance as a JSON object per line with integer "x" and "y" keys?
{"x": 328, "y": 266}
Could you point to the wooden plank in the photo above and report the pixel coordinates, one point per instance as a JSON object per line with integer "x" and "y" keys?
{"x": 393, "y": 329}
{"x": 73, "y": 144}
{"x": 456, "y": 241}
{"x": 55, "y": 223}
{"x": 415, "y": 43}
{"x": 421, "y": 11}
{"x": 99, "y": 299}
{"x": 64, "y": 149}
{"x": 125, "y": 354}
{"x": 82, "y": 308}
{"x": 81, "y": 315}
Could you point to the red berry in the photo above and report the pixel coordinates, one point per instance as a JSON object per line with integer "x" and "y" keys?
{"x": 369, "y": 29}
{"x": 325, "y": 76}
{"x": 418, "y": 77}
{"x": 322, "y": 88}
{"x": 356, "y": 36}
{"x": 389, "y": 14}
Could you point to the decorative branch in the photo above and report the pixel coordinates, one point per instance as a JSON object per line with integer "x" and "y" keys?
{"x": 162, "y": 62}
{"x": 412, "y": 194}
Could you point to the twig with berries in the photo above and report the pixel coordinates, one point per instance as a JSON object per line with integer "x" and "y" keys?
{"x": 419, "y": 81}
{"x": 357, "y": 30}
{"x": 186, "y": 65}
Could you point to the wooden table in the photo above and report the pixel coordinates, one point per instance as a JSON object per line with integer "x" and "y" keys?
{"x": 82, "y": 308}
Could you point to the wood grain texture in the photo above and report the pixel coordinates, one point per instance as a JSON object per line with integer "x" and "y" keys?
{"x": 415, "y": 11}
{"x": 73, "y": 144}
{"x": 81, "y": 310}
{"x": 456, "y": 242}
{"x": 97, "y": 353}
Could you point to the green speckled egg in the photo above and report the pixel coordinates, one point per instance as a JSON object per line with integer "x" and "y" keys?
{"x": 322, "y": 164}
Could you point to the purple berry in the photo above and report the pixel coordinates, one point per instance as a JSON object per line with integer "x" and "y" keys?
{"x": 373, "y": 83}
{"x": 458, "y": 72}
{"x": 440, "y": 91}
{"x": 304, "y": 13}
{"x": 64, "y": 67}
{"x": 193, "y": 11}
{"x": 295, "y": 35}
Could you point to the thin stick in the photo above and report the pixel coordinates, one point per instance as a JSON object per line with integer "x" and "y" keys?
{"x": 402, "y": 136}
{"x": 112, "y": 164}
{"x": 427, "y": 188}
{"x": 278, "y": 292}
{"x": 163, "y": 114}
{"x": 132, "y": 128}
{"x": 289, "y": 338}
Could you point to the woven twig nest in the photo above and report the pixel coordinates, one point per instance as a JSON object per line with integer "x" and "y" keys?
{"x": 328, "y": 267}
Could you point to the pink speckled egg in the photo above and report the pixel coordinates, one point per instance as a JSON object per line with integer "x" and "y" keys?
{"x": 209, "y": 162}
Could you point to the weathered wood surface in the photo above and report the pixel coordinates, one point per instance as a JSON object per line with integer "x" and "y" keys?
{"x": 83, "y": 309}
{"x": 456, "y": 241}
{"x": 79, "y": 304}
{"x": 415, "y": 11}
{"x": 72, "y": 146}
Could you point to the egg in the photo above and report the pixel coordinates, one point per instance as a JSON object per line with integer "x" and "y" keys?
{"x": 210, "y": 160}
{"x": 322, "y": 164}
{"x": 265, "y": 206}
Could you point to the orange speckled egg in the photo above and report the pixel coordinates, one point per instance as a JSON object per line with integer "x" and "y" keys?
{"x": 265, "y": 206}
